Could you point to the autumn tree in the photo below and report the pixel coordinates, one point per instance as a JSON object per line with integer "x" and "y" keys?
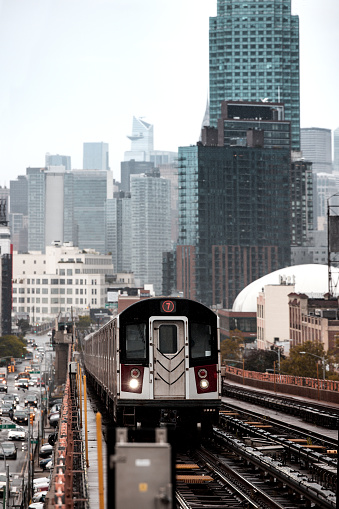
{"x": 231, "y": 349}
{"x": 12, "y": 346}
{"x": 299, "y": 364}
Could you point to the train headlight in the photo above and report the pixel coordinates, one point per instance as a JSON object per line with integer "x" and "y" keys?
{"x": 204, "y": 384}
{"x": 133, "y": 383}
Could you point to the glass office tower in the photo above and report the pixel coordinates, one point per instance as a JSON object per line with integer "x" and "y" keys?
{"x": 254, "y": 56}
{"x": 96, "y": 156}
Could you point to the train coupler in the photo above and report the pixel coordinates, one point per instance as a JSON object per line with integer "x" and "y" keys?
{"x": 168, "y": 417}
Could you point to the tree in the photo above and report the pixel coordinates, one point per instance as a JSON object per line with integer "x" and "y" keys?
{"x": 261, "y": 360}
{"x": 12, "y": 346}
{"x": 305, "y": 365}
{"x": 84, "y": 322}
{"x": 230, "y": 349}
{"x": 23, "y": 325}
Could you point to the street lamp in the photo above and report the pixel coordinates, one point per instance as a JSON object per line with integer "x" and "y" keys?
{"x": 318, "y": 357}
{"x": 278, "y": 352}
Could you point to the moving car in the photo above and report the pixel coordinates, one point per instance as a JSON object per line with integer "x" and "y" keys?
{"x": 3, "y": 385}
{"x": 21, "y": 417}
{"x": 16, "y": 434}
{"x": 9, "y": 450}
{"x": 11, "y": 398}
{"x": 21, "y": 383}
{"x": 6, "y": 409}
{"x": 31, "y": 399}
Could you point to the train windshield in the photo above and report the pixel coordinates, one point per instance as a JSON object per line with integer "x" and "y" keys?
{"x": 202, "y": 342}
{"x": 136, "y": 336}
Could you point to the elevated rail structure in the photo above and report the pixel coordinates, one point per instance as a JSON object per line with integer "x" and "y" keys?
{"x": 313, "y": 388}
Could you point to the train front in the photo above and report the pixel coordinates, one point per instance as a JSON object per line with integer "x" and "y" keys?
{"x": 169, "y": 364}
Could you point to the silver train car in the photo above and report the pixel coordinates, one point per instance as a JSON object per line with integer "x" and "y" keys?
{"x": 158, "y": 363}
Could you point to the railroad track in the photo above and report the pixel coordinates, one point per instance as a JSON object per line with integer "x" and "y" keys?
{"x": 301, "y": 463}
{"x": 310, "y": 411}
{"x": 218, "y": 476}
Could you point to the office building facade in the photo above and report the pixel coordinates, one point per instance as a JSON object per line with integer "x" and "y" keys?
{"x": 151, "y": 227}
{"x": 64, "y": 279}
{"x": 95, "y": 156}
{"x": 336, "y": 150}
{"x": 141, "y": 141}
{"x": 5, "y": 271}
{"x": 316, "y": 146}
{"x": 233, "y": 226}
{"x": 254, "y": 56}
{"x": 67, "y": 206}
{"x": 58, "y": 160}
{"x": 119, "y": 231}
{"x": 85, "y": 197}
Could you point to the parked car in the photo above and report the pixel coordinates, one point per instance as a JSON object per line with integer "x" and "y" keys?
{"x": 45, "y": 451}
{"x": 44, "y": 462}
{"x": 40, "y": 496}
{"x": 3, "y": 480}
{"x": 17, "y": 434}
{"x": 55, "y": 401}
{"x": 36, "y": 505}
{"x": 9, "y": 450}
{"x": 41, "y": 484}
{"x": 21, "y": 417}
{"x": 54, "y": 419}
{"x": 52, "y": 438}
{"x": 55, "y": 408}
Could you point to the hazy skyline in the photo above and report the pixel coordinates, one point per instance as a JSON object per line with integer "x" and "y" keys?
{"x": 76, "y": 71}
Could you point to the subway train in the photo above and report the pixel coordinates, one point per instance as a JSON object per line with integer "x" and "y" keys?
{"x": 157, "y": 363}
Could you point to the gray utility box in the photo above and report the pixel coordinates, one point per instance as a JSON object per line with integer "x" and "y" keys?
{"x": 143, "y": 473}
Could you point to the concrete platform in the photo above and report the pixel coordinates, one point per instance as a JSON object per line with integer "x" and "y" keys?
{"x": 93, "y": 467}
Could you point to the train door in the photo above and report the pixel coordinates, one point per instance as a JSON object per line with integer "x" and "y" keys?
{"x": 169, "y": 359}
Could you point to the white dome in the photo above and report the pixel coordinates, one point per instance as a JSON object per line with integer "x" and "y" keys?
{"x": 310, "y": 279}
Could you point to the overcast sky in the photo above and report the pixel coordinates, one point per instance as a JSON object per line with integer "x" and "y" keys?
{"x": 75, "y": 71}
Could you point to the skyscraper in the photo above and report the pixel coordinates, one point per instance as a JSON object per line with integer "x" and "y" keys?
{"x": 151, "y": 227}
{"x": 233, "y": 221}
{"x": 254, "y": 56}
{"x": 68, "y": 206}
{"x": 142, "y": 145}
{"x": 141, "y": 141}
{"x": 316, "y": 146}
{"x": 5, "y": 271}
{"x": 336, "y": 150}
{"x": 234, "y": 203}
{"x": 57, "y": 160}
{"x": 96, "y": 156}
{"x": 18, "y": 216}
{"x": 119, "y": 238}
{"x": 85, "y": 196}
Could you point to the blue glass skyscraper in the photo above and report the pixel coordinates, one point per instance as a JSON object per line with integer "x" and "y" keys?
{"x": 254, "y": 56}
